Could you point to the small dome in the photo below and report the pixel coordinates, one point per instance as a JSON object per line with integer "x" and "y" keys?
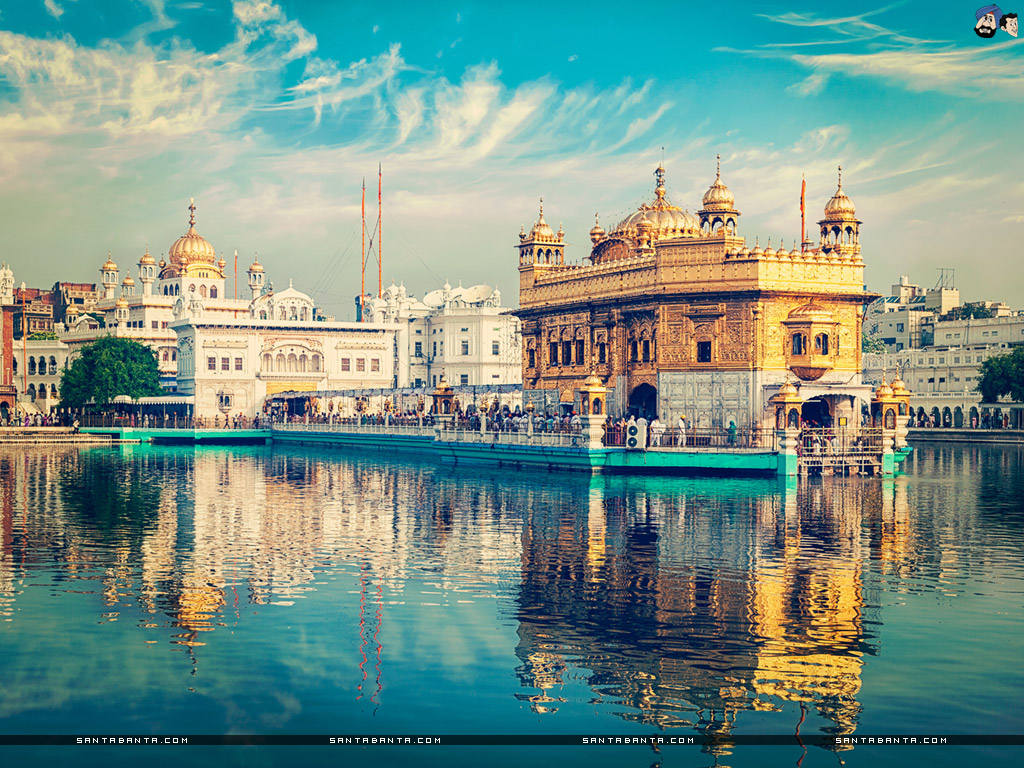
{"x": 840, "y": 206}
{"x": 221, "y": 263}
{"x": 788, "y": 390}
{"x": 146, "y": 259}
{"x": 718, "y": 196}
{"x": 596, "y": 233}
{"x": 541, "y": 229}
{"x": 884, "y": 390}
{"x": 256, "y": 266}
{"x": 161, "y": 263}
{"x": 593, "y": 381}
{"x": 109, "y": 265}
{"x": 898, "y": 387}
{"x": 128, "y": 281}
{"x": 769, "y": 251}
{"x": 758, "y": 251}
{"x": 121, "y": 303}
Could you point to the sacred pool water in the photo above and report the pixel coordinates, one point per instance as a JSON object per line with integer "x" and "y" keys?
{"x": 175, "y": 591}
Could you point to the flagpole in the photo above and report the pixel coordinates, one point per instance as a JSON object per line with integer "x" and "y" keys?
{"x": 803, "y": 230}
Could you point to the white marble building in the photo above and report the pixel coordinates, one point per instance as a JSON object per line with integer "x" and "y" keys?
{"x": 462, "y": 333}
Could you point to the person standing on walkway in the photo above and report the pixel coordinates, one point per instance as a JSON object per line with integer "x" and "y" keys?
{"x": 681, "y": 431}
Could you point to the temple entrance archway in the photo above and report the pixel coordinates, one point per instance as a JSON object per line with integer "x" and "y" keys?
{"x": 816, "y": 412}
{"x": 643, "y": 401}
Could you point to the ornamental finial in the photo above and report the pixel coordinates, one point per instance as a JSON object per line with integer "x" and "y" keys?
{"x": 718, "y": 167}
{"x": 659, "y": 187}
{"x": 191, "y": 212}
{"x": 542, "y": 209}
{"x": 840, "y": 177}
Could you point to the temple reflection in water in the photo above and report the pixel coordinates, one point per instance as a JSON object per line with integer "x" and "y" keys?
{"x": 679, "y": 603}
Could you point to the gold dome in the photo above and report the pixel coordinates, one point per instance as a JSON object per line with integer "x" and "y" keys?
{"x": 811, "y": 312}
{"x": 840, "y": 206}
{"x": 596, "y": 233}
{"x": 121, "y": 302}
{"x": 109, "y": 265}
{"x": 718, "y": 196}
{"x": 542, "y": 230}
{"x": 256, "y": 266}
{"x": 898, "y": 387}
{"x": 666, "y": 220}
{"x": 191, "y": 248}
{"x": 758, "y": 251}
{"x": 146, "y": 259}
{"x": 128, "y": 281}
{"x": 884, "y": 390}
{"x": 788, "y": 390}
{"x": 221, "y": 263}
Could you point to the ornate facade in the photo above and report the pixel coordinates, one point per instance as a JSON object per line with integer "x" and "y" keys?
{"x": 679, "y": 315}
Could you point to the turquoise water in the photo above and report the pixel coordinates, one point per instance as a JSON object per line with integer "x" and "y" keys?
{"x": 182, "y": 591}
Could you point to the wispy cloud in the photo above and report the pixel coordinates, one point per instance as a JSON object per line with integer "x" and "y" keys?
{"x": 53, "y": 9}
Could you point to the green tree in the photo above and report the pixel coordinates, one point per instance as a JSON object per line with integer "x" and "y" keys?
{"x": 871, "y": 344}
{"x": 42, "y": 336}
{"x": 107, "y": 368}
{"x": 1003, "y": 375}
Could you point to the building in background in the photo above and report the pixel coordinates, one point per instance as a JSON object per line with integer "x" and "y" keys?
{"x": 8, "y": 393}
{"x": 678, "y": 315}
{"x": 462, "y": 333}
{"x": 230, "y": 365}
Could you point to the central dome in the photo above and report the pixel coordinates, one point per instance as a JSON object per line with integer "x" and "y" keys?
{"x": 666, "y": 220}
{"x": 191, "y": 248}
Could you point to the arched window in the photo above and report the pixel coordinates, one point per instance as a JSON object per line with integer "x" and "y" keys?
{"x": 316, "y": 363}
{"x": 166, "y": 356}
{"x": 303, "y": 362}
{"x": 279, "y": 362}
{"x": 31, "y": 366}
{"x": 174, "y": 355}
{"x": 799, "y": 344}
{"x": 294, "y": 315}
{"x": 263, "y": 314}
{"x": 821, "y": 344}
{"x": 293, "y": 363}
{"x": 53, "y": 391}
{"x": 202, "y": 291}
{"x": 213, "y": 292}
{"x": 266, "y": 363}
{"x": 281, "y": 314}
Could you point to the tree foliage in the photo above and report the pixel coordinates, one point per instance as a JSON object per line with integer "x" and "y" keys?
{"x": 1003, "y": 375}
{"x": 42, "y": 336}
{"x": 107, "y": 368}
{"x": 871, "y": 344}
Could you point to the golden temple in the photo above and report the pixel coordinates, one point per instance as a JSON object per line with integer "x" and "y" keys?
{"x": 678, "y": 315}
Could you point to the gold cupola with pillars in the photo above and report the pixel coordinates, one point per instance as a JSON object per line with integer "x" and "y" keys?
{"x": 718, "y": 206}
{"x": 840, "y": 228}
{"x": 192, "y": 255}
{"x": 542, "y": 247}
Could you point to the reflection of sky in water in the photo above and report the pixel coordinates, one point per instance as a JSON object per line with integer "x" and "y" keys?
{"x": 313, "y": 592}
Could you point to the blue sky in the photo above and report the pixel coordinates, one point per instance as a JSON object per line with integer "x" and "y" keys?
{"x": 113, "y": 113}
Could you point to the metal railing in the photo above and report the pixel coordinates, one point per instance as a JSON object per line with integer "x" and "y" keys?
{"x": 699, "y": 438}
{"x": 568, "y": 438}
{"x": 353, "y": 428}
{"x": 160, "y": 421}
